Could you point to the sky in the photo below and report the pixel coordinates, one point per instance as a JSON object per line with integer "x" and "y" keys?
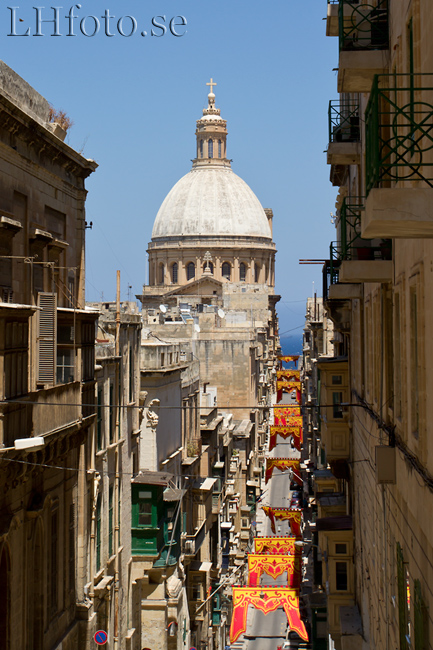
{"x": 134, "y": 101}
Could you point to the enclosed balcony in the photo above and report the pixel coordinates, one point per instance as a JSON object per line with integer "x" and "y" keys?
{"x": 344, "y": 146}
{"x": 399, "y": 157}
{"x": 359, "y": 260}
{"x": 364, "y": 41}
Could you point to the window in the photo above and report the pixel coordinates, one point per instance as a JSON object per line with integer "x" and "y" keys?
{"x": 341, "y": 549}
{"x": 174, "y": 273}
{"x": 110, "y": 521}
{"x": 190, "y": 271}
{"x": 242, "y": 272}
{"x": 98, "y": 533}
{"x": 337, "y": 411}
{"x": 201, "y": 148}
{"x": 337, "y": 380}
{"x": 15, "y": 358}
{"x": 145, "y": 513}
{"x": 161, "y": 273}
{"x": 226, "y": 270}
{"x": 53, "y": 563}
{"x": 210, "y": 148}
{"x": 341, "y": 576}
{"x": 256, "y": 272}
{"x": 99, "y": 419}
{"x": 219, "y": 148}
{"x": 65, "y": 365}
{"x": 88, "y": 351}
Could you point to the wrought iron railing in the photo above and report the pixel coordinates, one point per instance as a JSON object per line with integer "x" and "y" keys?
{"x": 363, "y": 25}
{"x": 329, "y": 276}
{"x": 343, "y": 121}
{"x": 399, "y": 131}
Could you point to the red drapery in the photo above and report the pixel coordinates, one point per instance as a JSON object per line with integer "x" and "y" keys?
{"x": 281, "y": 464}
{"x": 285, "y": 432}
{"x": 267, "y": 599}
{"x": 285, "y": 514}
{"x": 283, "y": 545}
{"x": 274, "y": 566}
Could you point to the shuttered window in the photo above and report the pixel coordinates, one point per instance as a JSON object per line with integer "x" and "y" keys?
{"x": 47, "y": 332}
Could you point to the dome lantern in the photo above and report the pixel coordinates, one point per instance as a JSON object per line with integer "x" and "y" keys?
{"x": 211, "y": 135}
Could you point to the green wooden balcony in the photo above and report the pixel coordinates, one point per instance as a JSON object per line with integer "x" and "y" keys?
{"x": 399, "y": 157}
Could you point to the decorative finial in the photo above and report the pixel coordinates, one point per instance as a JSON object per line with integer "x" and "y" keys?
{"x": 212, "y": 83}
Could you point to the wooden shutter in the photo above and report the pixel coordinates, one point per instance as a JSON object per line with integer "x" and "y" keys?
{"x": 47, "y": 333}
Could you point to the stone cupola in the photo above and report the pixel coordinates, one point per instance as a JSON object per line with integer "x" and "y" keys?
{"x": 211, "y": 135}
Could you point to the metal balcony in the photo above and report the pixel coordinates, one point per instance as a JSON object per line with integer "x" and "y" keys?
{"x": 344, "y": 146}
{"x": 399, "y": 157}
{"x": 363, "y": 39}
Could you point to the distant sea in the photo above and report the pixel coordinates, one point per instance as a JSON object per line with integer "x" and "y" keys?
{"x": 291, "y": 344}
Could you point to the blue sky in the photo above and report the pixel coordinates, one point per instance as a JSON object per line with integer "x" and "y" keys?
{"x": 134, "y": 101}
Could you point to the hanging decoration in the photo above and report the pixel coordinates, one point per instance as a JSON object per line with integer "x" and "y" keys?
{"x": 289, "y": 359}
{"x": 266, "y": 599}
{"x": 282, "y": 414}
{"x": 288, "y": 386}
{"x": 274, "y": 566}
{"x": 289, "y": 375}
{"x": 281, "y": 464}
{"x": 276, "y": 545}
{"x": 285, "y": 514}
{"x": 285, "y": 432}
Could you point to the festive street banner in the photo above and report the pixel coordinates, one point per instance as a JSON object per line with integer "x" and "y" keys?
{"x": 295, "y": 421}
{"x": 276, "y": 545}
{"x": 289, "y": 375}
{"x": 288, "y": 386}
{"x": 282, "y": 415}
{"x": 274, "y": 566}
{"x": 281, "y": 464}
{"x": 285, "y": 432}
{"x": 266, "y": 599}
{"x": 285, "y": 514}
{"x": 289, "y": 359}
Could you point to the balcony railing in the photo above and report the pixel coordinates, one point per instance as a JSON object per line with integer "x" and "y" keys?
{"x": 399, "y": 131}
{"x": 363, "y": 26}
{"x": 330, "y": 273}
{"x": 343, "y": 120}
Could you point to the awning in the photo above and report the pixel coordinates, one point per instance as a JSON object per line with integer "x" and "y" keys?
{"x": 201, "y": 566}
{"x": 204, "y": 484}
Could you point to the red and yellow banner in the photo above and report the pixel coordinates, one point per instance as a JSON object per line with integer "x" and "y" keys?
{"x": 275, "y": 545}
{"x": 285, "y": 514}
{"x": 289, "y": 375}
{"x": 285, "y": 432}
{"x": 266, "y": 599}
{"x": 288, "y": 385}
{"x": 281, "y": 464}
{"x": 293, "y": 358}
{"x": 282, "y": 415}
{"x": 274, "y": 566}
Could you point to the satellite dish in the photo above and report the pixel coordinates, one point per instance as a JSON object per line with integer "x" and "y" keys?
{"x": 197, "y": 328}
{"x": 163, "y": 308}
{"x": 221, "y": 313}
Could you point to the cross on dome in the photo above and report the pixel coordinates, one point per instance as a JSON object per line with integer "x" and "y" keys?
{"x": 211, "y": 83}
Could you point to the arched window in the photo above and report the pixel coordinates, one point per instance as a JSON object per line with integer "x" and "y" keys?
{"x": 201, "y": 148}
{"x": 161, "y": 273}
{"x": 226, "y": 270}
{"x": 219, "y": 148}
{"x": 190, "y": 271}
{"x": 210, "y": 149}
{"x": 242, "y": 272}
{"x": 174, "y": 273}
{"x": 256, "y": 272}
{"x": 210, "y": 265}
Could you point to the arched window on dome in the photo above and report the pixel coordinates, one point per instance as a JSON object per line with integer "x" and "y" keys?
{"x": 226, "y": 270}
{"x": 242, "y": 272}
{"x": 220, "y": 146}
{"x": 201, "y": 148}
{"x": 161, "y": 273}
{"x": 266, "y": 274}
{"x": 190, "y": 271}
{"x": 174, "y": 269}
{"x": 210, "y": 148}
{"x": 256, "y": 272}
{"x": 210, "y": 265}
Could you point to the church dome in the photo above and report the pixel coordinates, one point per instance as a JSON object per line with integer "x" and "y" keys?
{"x": 211, "y": 200}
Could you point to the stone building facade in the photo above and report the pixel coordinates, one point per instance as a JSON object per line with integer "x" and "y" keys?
{"x": 47, "y": 383}
{"x": 377, "y": 290}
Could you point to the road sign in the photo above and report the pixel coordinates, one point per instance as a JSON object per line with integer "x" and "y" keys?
{"x": 100, "y": 637}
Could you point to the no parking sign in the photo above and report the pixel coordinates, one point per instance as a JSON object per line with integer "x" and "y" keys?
{"x": 100, "y": 637}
